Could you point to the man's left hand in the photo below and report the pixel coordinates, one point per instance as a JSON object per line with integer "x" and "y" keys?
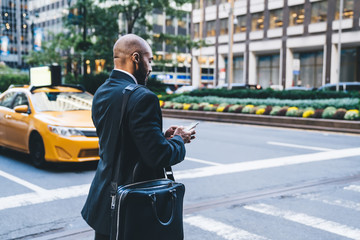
{"x": 169, "y": 134}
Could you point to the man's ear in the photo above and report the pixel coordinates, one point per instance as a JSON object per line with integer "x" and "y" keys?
{"x": 135, "y": 57}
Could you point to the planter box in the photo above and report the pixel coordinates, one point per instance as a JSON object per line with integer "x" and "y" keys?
{"x": 275, "y": 121}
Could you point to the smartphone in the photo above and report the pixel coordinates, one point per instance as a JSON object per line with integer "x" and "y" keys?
{"x": 191, "y": 126}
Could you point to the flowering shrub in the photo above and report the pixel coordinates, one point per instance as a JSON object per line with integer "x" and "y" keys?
{"x": 168, "y": 105}
{"x": 161, "y": 102}
{"x": 328, "y": 112}
{"x": 308, "y": 113}
{"x": 186, "y": 106}
{"x": 340, "y": 113}
{"x": 275, "y": 110}
{"x": 260, "y": 111}
{"x": 318, "y": 113}
{"x": 247, "y": 108}
{"x": 352, "y": 114}
{"x": 267, "y": 110}
{"x": 292, "y": 112}
{"x": 234, "y": 107}
{"x": 178, "y": 106}
{"x": 282, "y": 111}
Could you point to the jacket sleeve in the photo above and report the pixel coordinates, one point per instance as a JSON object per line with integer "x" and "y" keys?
{"x": 145, "y": 123}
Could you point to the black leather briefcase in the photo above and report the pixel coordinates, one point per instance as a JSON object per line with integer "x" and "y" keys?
{"x": 150, "y": 210}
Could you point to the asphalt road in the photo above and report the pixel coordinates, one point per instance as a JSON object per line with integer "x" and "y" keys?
{"x": 242, "y": 182}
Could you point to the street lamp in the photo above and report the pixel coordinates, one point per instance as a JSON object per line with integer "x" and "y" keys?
{"x": 339, "y": 43}
{"x": 231, "y": 42}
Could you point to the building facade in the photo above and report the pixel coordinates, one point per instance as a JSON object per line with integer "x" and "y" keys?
{"x": 14, "y": 32}
{"x": 276, "y": 43}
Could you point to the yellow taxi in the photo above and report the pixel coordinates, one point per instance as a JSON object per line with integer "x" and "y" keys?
{"x": 51, "y": 123}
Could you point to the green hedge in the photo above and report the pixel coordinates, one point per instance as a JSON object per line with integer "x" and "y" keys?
{"x": 347, "y": 103}
{"x": 269, "y": 93}
{"x": 7, "y": 79}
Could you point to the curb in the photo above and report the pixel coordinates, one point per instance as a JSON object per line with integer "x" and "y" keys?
{"x": 265, "y": 120}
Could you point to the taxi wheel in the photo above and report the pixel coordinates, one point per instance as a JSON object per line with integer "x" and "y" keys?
{"x": 37, "y": 151}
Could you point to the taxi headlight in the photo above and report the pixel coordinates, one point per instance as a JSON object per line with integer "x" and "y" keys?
{"x": 65, "y": 131}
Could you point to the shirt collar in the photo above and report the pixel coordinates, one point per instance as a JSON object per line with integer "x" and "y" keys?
{"x": 132, "y": 76}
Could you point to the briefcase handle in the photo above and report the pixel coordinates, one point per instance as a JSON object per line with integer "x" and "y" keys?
{"x": 173, "y": 206}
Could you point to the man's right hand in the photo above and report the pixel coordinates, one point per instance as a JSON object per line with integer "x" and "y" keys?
{"x": 187, "y": 136}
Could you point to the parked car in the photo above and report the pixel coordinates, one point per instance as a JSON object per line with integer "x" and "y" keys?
{"x": 241, "y": 86}
{"x": 50, "y": 123}
{"x": 185, "y": 88}
{"x": 300, "y": 88}
{"x": 343, "y": 86}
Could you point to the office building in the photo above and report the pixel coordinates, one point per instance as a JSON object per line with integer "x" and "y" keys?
{"x": 278, "y": 43}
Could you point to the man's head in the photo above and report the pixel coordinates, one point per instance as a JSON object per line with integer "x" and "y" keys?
{"x": 133, "y": 54}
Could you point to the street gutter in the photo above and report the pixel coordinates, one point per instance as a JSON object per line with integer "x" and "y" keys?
{"x": 266, "y": 120}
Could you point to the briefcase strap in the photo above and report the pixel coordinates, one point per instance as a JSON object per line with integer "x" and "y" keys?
{"x": 116, "y": 168}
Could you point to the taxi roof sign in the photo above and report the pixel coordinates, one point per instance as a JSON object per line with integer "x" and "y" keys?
{"x": 45, "y": 76}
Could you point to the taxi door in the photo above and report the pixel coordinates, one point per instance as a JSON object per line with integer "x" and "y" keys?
{"x": 18, "y": 124}
{"x": 6, "y": 102}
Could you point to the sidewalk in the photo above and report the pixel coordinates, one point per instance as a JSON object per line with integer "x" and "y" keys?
{"x": 78, "y": 234}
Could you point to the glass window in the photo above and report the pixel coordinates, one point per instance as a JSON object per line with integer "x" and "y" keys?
{"x": 349, "y": 63}
{"x": 276, "y": 18}
{"x": 210, "y": 29}
{"x": 257, "y": 21}
{"x": 297, "y": 15}
{"x": 348, "y": 11}
{"x": 20, "y": 99}
{"x": 196, "y": 4}
{"x": 238, "y": 69}
{"x": 268, "y": 70}
{"x": 319, "y": 11}
{"x": 210, "y": 2}
{"x": 7, "y": 99}
{"x": 196, "y": 30}
{"x": 241, "y": 24}
{"x": 224, "y": 23}
{"x": 311, "y": 69}
{"x": 62, "y": 101}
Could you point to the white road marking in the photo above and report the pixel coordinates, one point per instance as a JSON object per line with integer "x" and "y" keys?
{"x": 340, "y": 203}
{"x": 355, "y": 188}
{"x": 267, "y": 163}
{"x": 43, "y": 195}
{"x": 26, "y": 199}
{"x": 202, "y": 161}
{"x": 299, "y": 146}
{"x": 22, "y": 182}
{"x": 223, "y": 230}
{"x": 314, "y": 222}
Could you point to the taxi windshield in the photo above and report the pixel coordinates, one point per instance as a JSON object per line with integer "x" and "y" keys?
{"x": 62, "y": 101}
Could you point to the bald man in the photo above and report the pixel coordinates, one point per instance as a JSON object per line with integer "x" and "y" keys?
{"x": 146, "y": 150}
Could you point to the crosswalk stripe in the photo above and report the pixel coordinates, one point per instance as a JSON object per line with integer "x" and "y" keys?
{"x": 340, "y": 203}
{"x": 314, "y": 222}
{"x": 299, "y": 146}
{"x": 355, "y": 188}
{"x": 43, "y": 196}
{"x": 202, "y": 161}
{"x": 22, "y": 182}
{"x": 223, "y": 230}
{"x": 266, "y": 163}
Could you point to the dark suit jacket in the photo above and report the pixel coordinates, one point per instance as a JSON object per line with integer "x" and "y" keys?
{"x": 146, "y": 151}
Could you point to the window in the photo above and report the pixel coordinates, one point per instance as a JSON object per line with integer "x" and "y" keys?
{"x": 210, "y": 2}
{"x": 210, "y": 29}
{"x": 257, "y": 21}
{"x": 20, "y": 99}
{"x": 311, "y": 68}
{"x": 196, "y": 4}
{"x": 196, "y": 30}
{"x": 224, "y": 23}
{"x": 297, "y": 15}
{"x": 238, "y": 69}
{"x": 348, "y": 11}
{"x": 319, "y": 11}
{"x": 241, "y": 24}
{"x": 268, "y": 70}
{"x": 349, "y": 63}
{"x": 276, "y": 18}
{"x": 7, "y": 99}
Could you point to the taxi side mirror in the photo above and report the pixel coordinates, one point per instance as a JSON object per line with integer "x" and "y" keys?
{"x": 22, "y": 109}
